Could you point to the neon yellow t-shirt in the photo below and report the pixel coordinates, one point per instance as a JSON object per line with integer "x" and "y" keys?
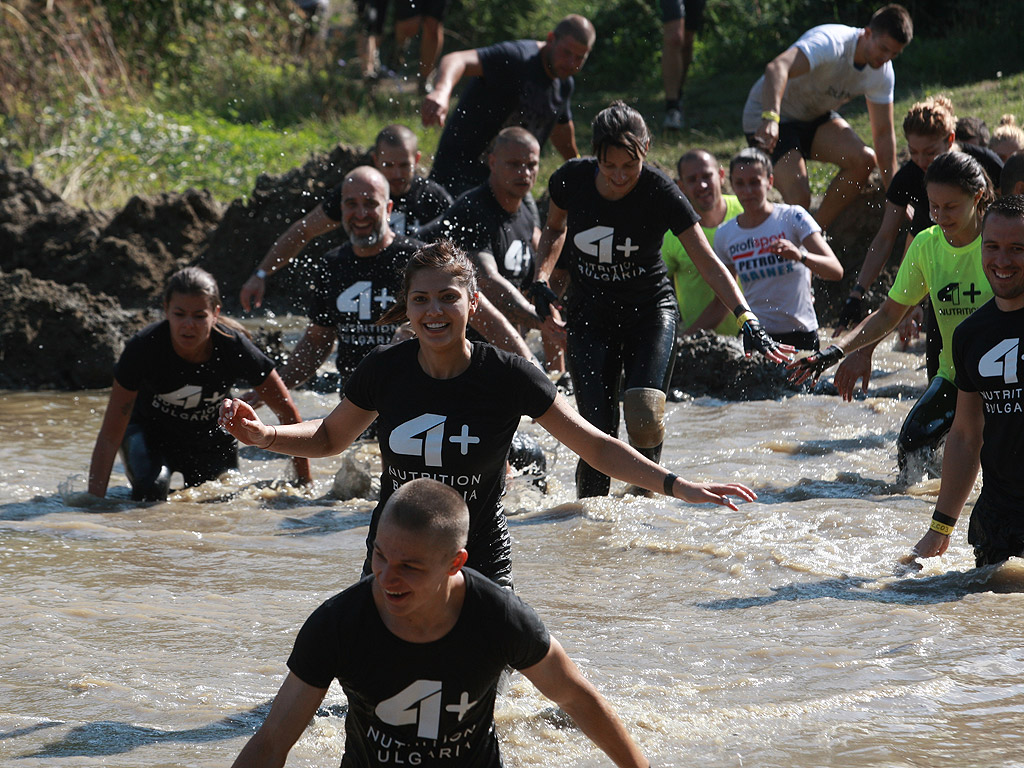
{"x": 692, "y": 292}
{"x": 954, "y": 279}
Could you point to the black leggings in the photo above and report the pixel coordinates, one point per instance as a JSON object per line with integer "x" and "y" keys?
{"x": 600, "y": 350}
{"x": 149, "y": 464}
{"x": 929, "y": 420}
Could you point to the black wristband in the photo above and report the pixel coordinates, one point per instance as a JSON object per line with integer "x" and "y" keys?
{"x": 670, "y": 480}
{"x": 860, "y": 290}
{"x": 944, "y": 519}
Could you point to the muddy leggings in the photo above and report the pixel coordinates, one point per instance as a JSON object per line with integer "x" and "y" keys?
{"x": 149, "y": 463}
{"x": 928, "y": 421}
{"x": 604, "y": 352}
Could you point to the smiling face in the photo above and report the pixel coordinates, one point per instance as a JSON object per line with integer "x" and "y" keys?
{"x": 364, "y": 210}
{"x": 700, "y": 179}
{"x": 411, "y": 572}
{"x": 191, "y": 318}
{"x": 955, "y": 211}
{"x": 1002, "y": 256}
{"x": 750, "y": 184}
{"x": 439, "y": 308}
{"x": 618, "y": 173}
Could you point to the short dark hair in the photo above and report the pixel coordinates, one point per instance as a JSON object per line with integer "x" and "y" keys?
{"x": 1013, "y": 172}
{"x": 751, "y": 156}
{"x": 514, "y": 134}
{"x": 692, "y": 155}
{"x": 963, "y": 172}
{"x": 1008, "y": 206}
{"x": 894, "y": 21}
{"x": 578, "y": 28}
{"x": 619, "y": 125}
{"x": 396, "y": 135}
{"x": 973, "y": 130}
{"x": 433, "y": 509}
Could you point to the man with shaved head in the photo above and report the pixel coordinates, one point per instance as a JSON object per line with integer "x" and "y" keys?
{"x": 418, "y": 647}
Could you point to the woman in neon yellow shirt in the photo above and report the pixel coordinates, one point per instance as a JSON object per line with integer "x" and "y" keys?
{"x": 944, "y": 262}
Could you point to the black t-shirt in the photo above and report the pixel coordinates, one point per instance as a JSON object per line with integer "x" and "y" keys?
{"x": 351, "y": 292}
{"x": 907, "y": 186}
{"x": 425, "y": 201}
{"x": 427, "y": 704}
{"x": 457, "y": 431}
{"x": 515, "y": 89}
{"x": 614, "y": 246}
{"x": 178, "y": 401}
{"x": 477, "y": 222}
{"x": 987, "y": 350}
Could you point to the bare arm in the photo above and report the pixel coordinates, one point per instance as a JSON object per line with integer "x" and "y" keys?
{"x": 496, "y": 328}
{"x": 293, "y": 708}
{"x": 275, "y": 394}
{"x": 285, "y": 248}
{"x": 115, "y": 421}
{"x": 313, "y": 439}
{"x": 617, "y": 459}
{"x": 552, "y": 240}
{"x": 821, "y": 259}
{"x": 453, "y": 67}
{"x": 882, "y": 245}
{"x": 711, "y": 268}
{"x": 502, "y": 293}
{"x": 309, "y": 354}
{"x": 558, "y": 678}
{"x": 563, "y": 138}
{"x": 714, "y": 313}
{"x": 791, "y": 63}
{"x": 874, "y": 327}
{"x": 960, "y": 464}
{"x": 883, "y": 136}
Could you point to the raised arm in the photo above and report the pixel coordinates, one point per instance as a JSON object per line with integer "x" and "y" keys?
{"x": 453, "y": 67}
{"x": 619, "y": 460}
{"x": 275, "y": 394}
{"x": 502, "y": 293}
{"x": 293, "y": 708}
{"x": 313, "y": 439}
{"x": 285, "y": 248}
{"x": 883, "y": 136}
{"x": 558, "y": 678}
{"x": 115, "y": 421}
{"x": 791, "y": 63}
{"x": 961, "y": 461}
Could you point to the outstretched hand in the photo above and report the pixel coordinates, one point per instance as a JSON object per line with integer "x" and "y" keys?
{"x": 812, "y": 366}
{"x": 239, "y": 419}
{"x": 932, "y": 544}
{"x": 713, "y": 493}
{"x": 756, "y": 339}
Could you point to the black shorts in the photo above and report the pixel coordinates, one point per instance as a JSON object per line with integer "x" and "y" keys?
{"x": 407, "y": 9}
{"x": 796, "y": 134}
{"x": 691, "y": 10}
{"x": 371, "y": 15}
{"x": 806, "y": 341}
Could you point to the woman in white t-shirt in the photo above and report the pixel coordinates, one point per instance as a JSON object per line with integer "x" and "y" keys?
{"x": 773, "y": 249}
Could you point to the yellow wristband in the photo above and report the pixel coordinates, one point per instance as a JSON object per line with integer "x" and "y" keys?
{"x": 770, "y": 114}
{"x": 945, "y": 530}
{"x": 744, "y": 316}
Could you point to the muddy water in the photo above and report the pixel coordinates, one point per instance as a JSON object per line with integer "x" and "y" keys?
{"x": 778, "y": 635}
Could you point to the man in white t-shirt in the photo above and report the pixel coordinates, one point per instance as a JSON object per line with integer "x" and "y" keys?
{"x": 791, "y": 110}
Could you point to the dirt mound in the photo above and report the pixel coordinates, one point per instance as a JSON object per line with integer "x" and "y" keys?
{"x": 711, "y": 365}
{"x": 59, "y": 336}
{"x": 250, "y": 227}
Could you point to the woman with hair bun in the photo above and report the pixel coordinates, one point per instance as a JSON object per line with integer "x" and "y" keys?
{"x": 168, "y": 385}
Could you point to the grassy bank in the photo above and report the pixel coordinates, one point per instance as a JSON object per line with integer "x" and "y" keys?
{"x": 249, "y": 104}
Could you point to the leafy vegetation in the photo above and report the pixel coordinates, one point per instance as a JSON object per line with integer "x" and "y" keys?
{"x": 110, "y": 99}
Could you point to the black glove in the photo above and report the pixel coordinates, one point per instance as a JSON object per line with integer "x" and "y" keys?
{"x": 814, "y": 365}
{"x": 852, "y": 312}
{"x": 543, "y": 297}
{"x": 755, "y": 339}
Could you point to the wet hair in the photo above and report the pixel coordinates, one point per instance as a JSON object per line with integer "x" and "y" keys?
{"x": 697, "y": 155}
{"x": 1012, "y": 173}
{"x": 620, "y": 126}
{"x": 894, "y": 21}
{"x": 578, "y": 28}
{"x": 443, "y": 256}
{"x": 1009, "y": 206}
{"x": 751, "y": 156}
{"x": 931, "y": 117}
{"x": 396, "y": 135}
{"x": 196, "y": 281}
{"x": 430, "y": 509}
{"x": 972, "y": 130}
{"x": 1008, "y": 130}
{"x": 514, "y": 134}
{"x": 963, "y": 172}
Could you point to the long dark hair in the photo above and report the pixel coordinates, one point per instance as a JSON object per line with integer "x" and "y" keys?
{"x": 196, "y": 281}
{"x": 963, "y": 172}
{"x": 443, "y": 256}
{"x": 620, "y": 126}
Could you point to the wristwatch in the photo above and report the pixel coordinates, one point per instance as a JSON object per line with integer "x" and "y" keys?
{"x": 261, "y": 274}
